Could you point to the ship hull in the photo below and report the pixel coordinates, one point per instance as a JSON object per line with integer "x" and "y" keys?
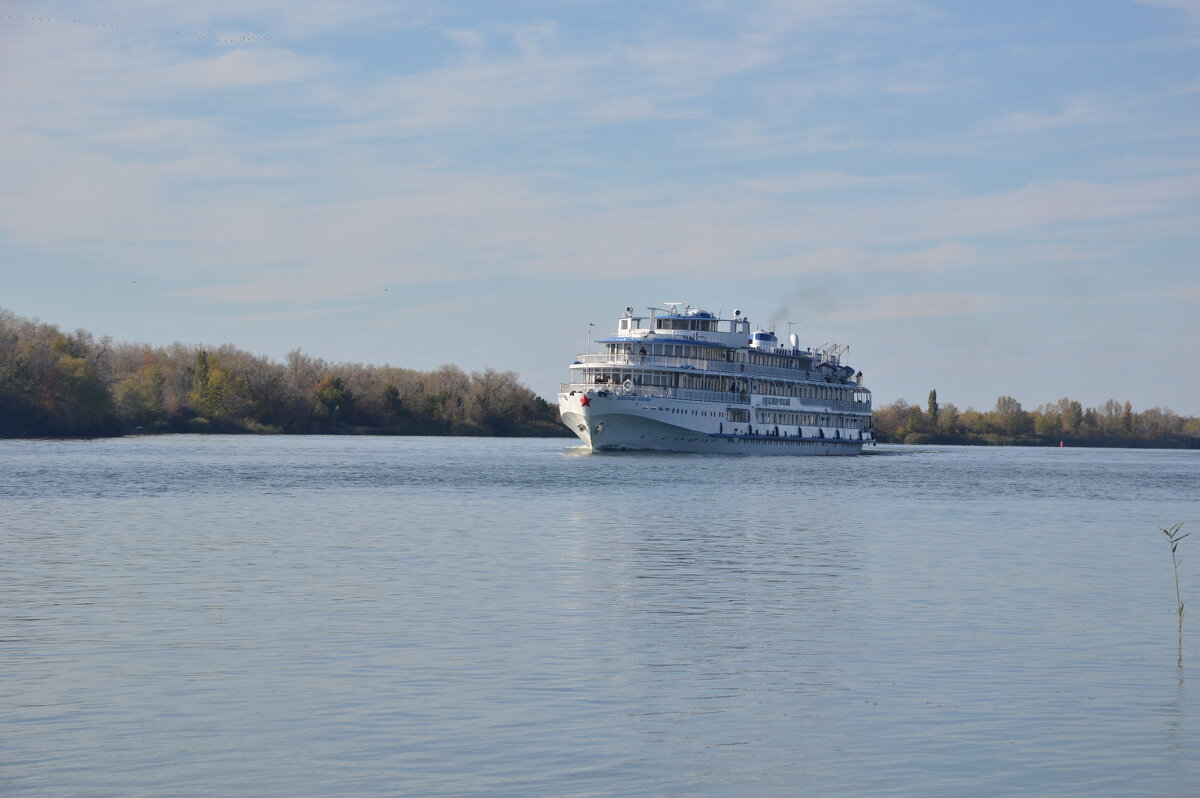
{"x": 618, "y": 424}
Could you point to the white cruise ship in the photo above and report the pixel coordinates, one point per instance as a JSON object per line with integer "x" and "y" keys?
{"x": 683, "y": 380}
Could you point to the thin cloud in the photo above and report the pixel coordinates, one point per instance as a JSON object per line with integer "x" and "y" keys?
{"x": 942, "y": 257}
{"x": 245, "y": 68}
{"x": 689, "y": 65}
{"x": 820, "y": 15}
{"x": 761, "y": 140}
{"x": 1039, "y": 205}
{"x": 297, "y": 314}
{"x": 263, "y": 217}
{"x": 1189, "y": 8}
{"x": 1074, "y": 113}
{"x": 824, "y": 180}
{"x": 919, "y": 306}
{"x": 277, "y": 18}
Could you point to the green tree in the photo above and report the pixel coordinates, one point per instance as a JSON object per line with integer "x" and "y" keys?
{"x": 1047, "y": 420}
{"x": 76, "y": 398}
{"x": 18, "y": 404}
{"x": 1071, "y": 415}
{"x": 334, "y": 401}
{"x": 1010, "y": 417}
{"x": 948, "y": 418}
{"x": 200, "y": 397}
{"x": 933, "y": 409}
{"x": 393, "y": 405}
{"x": 218, "y": 394}
{"x": 227, "y": 397}
{"x": 1110, "y": 417}
{"x": 139, "y": 399}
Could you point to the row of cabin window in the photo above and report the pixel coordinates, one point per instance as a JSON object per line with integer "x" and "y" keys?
{"x": 723, "y": 383}
{"x": 709, "y": 353}
{"x": 792, "y": 418}
{"x": 779, "y": 362}
{"x": 795, "y": 389}
{"x": 669, "y": 350}
{"x": 703, "y": 325}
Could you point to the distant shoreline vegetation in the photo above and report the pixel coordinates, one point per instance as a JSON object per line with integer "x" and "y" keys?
{"x": 57, "y": 384}
{"x": 1112, "y": 424}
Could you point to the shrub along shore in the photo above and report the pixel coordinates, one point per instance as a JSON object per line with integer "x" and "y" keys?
{"x": 55, "y": 384}
{"x": 1066, "y": 422}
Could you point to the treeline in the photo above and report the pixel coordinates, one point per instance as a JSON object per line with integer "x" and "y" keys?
{"x": 54, "y": 383}
{"x": 1067, "y": 421}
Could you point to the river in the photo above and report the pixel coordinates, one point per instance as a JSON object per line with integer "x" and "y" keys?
{"x": 310, "y": 616}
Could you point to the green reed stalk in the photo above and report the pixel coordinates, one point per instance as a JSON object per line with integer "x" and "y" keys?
{"x": 1173, "y": 537}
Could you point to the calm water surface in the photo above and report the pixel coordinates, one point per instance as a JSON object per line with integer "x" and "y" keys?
{"x": 309, "y": 616}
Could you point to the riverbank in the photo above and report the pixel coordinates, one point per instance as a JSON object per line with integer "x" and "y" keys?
{"x": 1066, "y": 422}
{"x": 922, "y": 439}
{"x": 58, "y": 384}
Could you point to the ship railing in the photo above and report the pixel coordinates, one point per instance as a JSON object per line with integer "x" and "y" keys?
{"x": 699, "y": 364}
{"x": 808, "y": 405}
{"x": 658, "y": 392}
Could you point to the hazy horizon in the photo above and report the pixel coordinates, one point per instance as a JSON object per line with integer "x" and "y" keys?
{"x": 981, "y": 200}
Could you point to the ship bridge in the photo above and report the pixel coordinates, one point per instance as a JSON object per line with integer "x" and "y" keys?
{"x": 682, "y": 324}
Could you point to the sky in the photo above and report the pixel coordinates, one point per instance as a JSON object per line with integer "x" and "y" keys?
{"x": 980, "y": 198}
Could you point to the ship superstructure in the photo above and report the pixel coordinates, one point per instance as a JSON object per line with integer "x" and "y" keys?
{"x": 682, "y": 379}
